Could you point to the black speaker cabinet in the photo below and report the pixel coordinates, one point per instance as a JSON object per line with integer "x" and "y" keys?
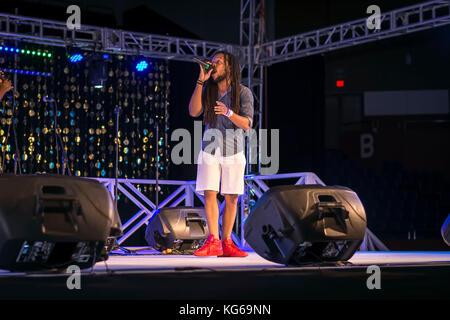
{"x": 177, "y": 228}
{"x": 53, "y": 221}
{"x": 306, "y": 224}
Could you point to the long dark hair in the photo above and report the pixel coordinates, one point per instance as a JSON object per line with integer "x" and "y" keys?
{"x": 210, "y": 93}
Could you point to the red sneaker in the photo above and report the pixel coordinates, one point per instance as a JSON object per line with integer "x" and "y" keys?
{"x": 211, "y": 247}
{"x": 231, "y": 250}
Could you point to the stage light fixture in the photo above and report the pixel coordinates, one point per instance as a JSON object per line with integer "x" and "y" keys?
{"x": 98, "y": 73}
{"x": 74, "y": 55}
{"x": 76, "y": 58}
{"x": 141, "y": 65}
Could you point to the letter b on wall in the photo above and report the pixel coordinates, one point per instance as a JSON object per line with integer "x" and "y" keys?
{"x": 366, "y": 145}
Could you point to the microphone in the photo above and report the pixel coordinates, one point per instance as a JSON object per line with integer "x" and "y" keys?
{"x": 47, "y": 99}
{"x": 206, "y": 64}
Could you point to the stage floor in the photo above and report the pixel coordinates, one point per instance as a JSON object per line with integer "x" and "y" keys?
{"x": 150, "y": 275}
{"x": 149, "y": 260}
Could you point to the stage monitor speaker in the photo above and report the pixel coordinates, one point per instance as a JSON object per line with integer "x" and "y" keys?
{"x": 445, "y": 231}
{"x": 52, "y": 221}
{"x": 183, "y": 229}
{"x": 302, "y": 224}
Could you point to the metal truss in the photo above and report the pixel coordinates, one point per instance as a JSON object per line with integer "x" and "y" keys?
{"x": 393, "y": 23}
{"x": 252, "y": 36}
{"x": 186, "y": 192}
{"x": 55, "y": 33}
{"x": 253, "y": 51}
{"x": 252, "y": 33}
{"x": 147, "y": 208}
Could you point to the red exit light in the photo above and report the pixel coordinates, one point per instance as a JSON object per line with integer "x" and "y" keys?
{"x": 339, "y": 83}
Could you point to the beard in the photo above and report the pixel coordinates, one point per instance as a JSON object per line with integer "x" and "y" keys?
{"x": 219, "y": 78}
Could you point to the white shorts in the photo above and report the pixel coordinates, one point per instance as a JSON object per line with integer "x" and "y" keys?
{"x": 216, "y": 171}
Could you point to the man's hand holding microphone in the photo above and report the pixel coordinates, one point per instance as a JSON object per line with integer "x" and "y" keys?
{"x": 195, "y": 104}
{"x": 206, "y": 68}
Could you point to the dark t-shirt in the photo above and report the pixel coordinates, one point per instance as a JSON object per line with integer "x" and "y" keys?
{"x": 230, "y": 136}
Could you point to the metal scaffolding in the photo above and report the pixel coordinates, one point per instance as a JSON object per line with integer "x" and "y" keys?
{"x": 252, "y": 36}
{"x": 393, "y": 23}
{"x": 106, "y": 40}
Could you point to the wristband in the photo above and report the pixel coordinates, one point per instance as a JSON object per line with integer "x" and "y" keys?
{"x": 200, "y": 82}
{"x": 229, "y": 113}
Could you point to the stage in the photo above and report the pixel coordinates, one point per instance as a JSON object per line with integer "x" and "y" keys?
{"x": 343, "y": 117}
{"x": 153, "y": 276}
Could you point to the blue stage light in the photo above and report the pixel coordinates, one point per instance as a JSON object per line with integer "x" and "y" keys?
{"x": 141, "y": 65}
{"x": 106, "y": 56}
{"x": 76, "y": 58}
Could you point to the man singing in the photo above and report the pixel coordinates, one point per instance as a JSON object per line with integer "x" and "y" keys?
{"x": 227, "y": 106}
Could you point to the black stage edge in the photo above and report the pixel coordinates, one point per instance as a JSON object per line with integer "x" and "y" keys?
{"x": 420, "y": 281}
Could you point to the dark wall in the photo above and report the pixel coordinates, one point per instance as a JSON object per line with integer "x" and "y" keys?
{"x": 417, "y": 61}
{"x": 183, "y": 78}
{"x": 144, "y": 19}
{"x": 295, "y": 106}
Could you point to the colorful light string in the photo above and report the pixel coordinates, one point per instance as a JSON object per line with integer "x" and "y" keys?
{"x": 27, "y": 72}
{"x": 31, "y": 52}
